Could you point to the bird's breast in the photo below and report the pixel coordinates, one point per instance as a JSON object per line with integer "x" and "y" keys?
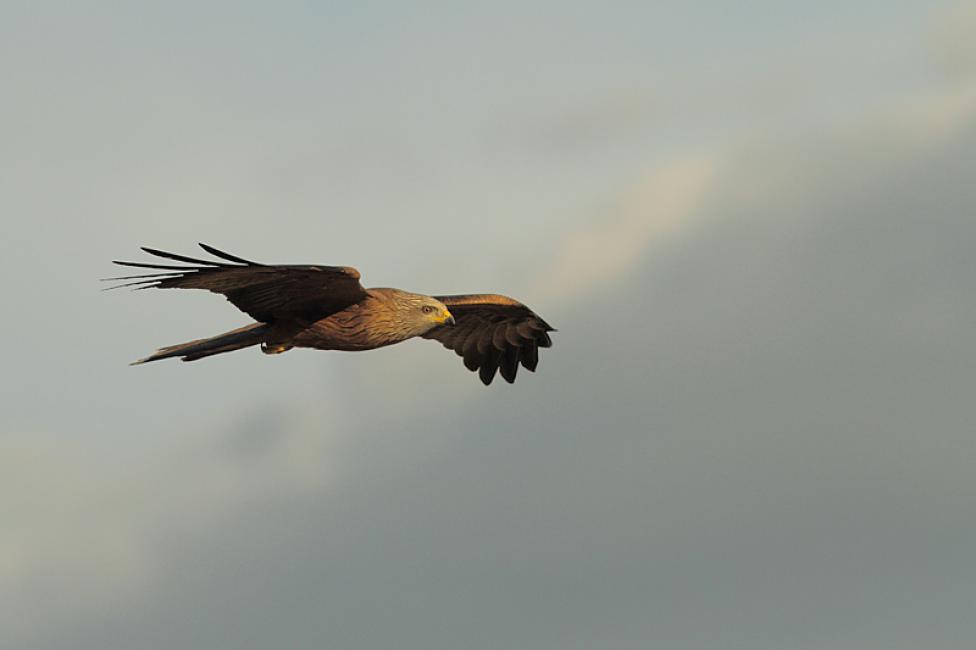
{"x": 363, "y": 326}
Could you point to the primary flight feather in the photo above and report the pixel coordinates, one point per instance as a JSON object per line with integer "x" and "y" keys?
{"x": 326, "y": 308}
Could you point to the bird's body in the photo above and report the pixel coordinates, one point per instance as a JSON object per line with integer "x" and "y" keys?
{"x": 384, "y": 317}
{"x": 325, "y": 308}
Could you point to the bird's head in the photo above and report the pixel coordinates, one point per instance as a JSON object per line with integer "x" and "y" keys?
{"x": 422, "y": 313}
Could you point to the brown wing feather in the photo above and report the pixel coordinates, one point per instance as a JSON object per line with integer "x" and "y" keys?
{"x": 493, "y": 333}
{"x": 268, "y": 293}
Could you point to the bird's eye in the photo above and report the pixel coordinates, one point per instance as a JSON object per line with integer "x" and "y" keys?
{"x": 427, "y": 309}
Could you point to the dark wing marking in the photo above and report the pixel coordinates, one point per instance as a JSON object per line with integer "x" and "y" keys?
{"x": 268, "y": 293}
{"x": 493, "y": 334}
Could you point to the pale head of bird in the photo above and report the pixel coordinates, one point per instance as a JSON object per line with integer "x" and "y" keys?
{"x": 420, "y": 313}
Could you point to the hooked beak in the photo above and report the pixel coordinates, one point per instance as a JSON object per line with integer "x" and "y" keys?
{"x": 448, "y": 319}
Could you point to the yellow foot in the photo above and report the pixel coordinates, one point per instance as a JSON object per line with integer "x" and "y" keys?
{"x": 271, "y": 348}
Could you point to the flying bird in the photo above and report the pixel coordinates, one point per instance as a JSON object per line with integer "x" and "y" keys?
{"x": 326, "y": 308}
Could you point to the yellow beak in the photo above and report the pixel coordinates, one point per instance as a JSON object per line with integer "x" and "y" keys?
{"x": 446, "y": 318}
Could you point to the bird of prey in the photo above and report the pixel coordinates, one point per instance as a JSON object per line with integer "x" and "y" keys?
{"x": 326, "y": 308}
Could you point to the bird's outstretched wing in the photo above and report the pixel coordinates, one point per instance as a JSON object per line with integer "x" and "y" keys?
{"x": 493, "y": 333}
{"x": 268, "y": 293}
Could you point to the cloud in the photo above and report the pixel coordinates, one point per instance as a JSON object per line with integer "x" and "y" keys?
{"x": 609, "y": 249}
{"x": 954, "y": 40}
{"x": 753, "y": 432}
{"x": 767, "y": 445}
{"x": 87, "y": 532}
{"x": 689, "y": 192}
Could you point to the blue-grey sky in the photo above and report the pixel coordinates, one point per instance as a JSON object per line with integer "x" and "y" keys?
{"x": 752, "y": 224}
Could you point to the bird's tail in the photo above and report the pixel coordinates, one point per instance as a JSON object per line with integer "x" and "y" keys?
{"x": 227, "y": 342}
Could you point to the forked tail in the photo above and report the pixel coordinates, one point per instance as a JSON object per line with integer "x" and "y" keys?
{"x": 227, "y": 342}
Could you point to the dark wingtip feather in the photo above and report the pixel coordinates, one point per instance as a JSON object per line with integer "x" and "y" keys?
{"x": 179, "y": 258}
{"x": 529, "y": 356}
{"x": 486, "y": 374}
{"x": 169, "y": 271}
{"x": 509, "y": 364}
{"x": 227, "y": 256}
{"x": 141, "y": 284}
{"x": 143, "y": 265}
{"x": 546, "y": 326}
{"x": 145, "y": 275}
{"x": 489, "y": 366}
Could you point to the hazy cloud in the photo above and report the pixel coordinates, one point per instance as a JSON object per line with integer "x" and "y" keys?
{"x": 754, "y": 429}
{"x": 609, "y": 249}
{"x": 954, "y": 40}
{"x": 758, "y": 438}
{"x": 84, "y": 535}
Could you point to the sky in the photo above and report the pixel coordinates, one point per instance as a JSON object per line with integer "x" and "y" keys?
{"x": 752, "y": 225}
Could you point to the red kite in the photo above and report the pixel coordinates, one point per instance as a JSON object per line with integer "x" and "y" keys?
{"x": 326, "y": 308}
